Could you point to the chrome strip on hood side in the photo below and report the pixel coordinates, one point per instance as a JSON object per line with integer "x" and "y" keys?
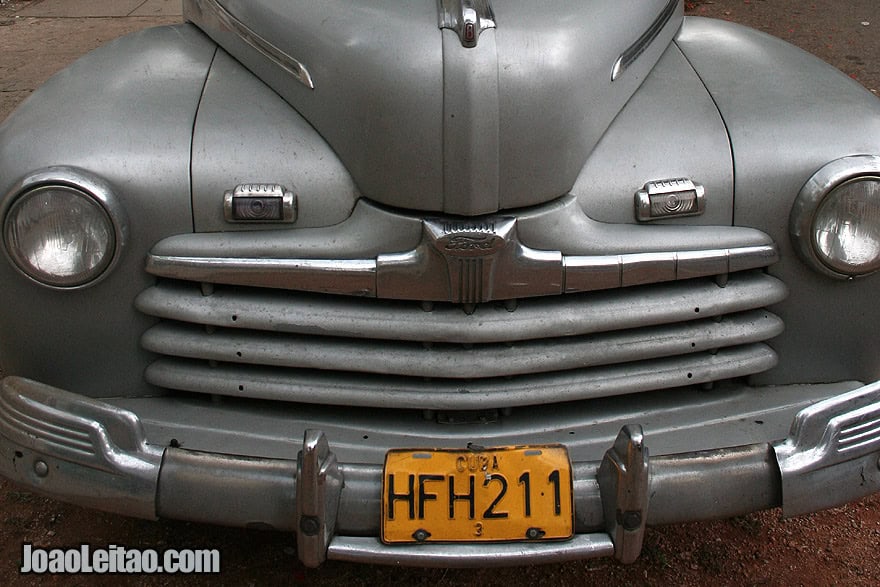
{"x": 633, "y": 52}
{"x": 211, "y": 9}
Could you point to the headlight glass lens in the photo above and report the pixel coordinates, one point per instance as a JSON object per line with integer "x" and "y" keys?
{"x": 846, "y": 228}
{"x": 59, "y": 236}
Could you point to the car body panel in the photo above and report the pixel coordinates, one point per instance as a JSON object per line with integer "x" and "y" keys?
{"x": 132, "y": 80}
{"x": 246, "y": 134}
{"x": 778, "y": 104}
{"x": 225, "y": 362}
{"x": 669, "y": 128}
{"x": 388, "y": 60}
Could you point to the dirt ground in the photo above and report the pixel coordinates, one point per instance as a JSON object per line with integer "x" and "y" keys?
{"x": 836, "y": 547}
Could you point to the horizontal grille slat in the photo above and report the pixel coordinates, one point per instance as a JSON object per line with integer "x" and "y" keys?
{"x": 312, "y": 386}
{"x": 457, "y": 361}
{"x": 534, "y": 318}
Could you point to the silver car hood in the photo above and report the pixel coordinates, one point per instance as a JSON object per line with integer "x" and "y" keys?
{"x": 422, "y": 121}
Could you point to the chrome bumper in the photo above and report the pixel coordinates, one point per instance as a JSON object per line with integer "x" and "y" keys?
{"x": 94, "y": 454}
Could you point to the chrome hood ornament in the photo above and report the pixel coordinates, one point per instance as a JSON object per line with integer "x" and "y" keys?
{"x": 468, "y": 18}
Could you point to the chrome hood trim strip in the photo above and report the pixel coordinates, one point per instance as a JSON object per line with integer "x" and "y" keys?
{"x": 212, "y": 10}
{"x": 633, "y": 52}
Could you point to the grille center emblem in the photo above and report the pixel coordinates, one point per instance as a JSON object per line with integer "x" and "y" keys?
{"x": 470, "y": 248}
{"x": 469, "y": 239}
{"x": 468, "y": 262}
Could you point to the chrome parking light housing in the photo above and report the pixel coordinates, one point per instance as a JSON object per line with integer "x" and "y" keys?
{"x": 835, "y": 220}
{"x": 63, "y": 228}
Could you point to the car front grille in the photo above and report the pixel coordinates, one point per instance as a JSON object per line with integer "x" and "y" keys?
{"x": 315, "y": 348}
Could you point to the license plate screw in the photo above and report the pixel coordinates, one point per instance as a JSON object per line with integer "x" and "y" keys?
{"x": 421, "y": 535}
{"x": 534, "y": 533}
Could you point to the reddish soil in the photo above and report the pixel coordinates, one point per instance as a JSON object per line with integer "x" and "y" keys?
{"x": 836, "y": 547}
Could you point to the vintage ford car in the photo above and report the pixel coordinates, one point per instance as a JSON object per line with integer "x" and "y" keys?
{"x": 455, "y": 282}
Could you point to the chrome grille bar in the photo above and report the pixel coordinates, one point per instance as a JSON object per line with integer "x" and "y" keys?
{"x": 550, "y": 272}
{"x": 570, "y": 315}
{"x": 300, "y": 347}
{"x": 350, "y": 389}
{"x": 456, "y": 361}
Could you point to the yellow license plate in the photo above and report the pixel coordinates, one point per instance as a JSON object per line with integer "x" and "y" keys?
{"x": 494, "y": 494}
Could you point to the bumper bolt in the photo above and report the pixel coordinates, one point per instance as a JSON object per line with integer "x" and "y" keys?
{"x": 631, "y": 520}
{"x": 309, "y": 525}
{"x": 41, "y": 468}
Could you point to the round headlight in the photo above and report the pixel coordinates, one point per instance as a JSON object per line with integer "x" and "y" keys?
{"x": 835, "y": 221}
{"x": 59, "y": 236}
{"x": 846, "y": 230}
{"x": 63, "y": 227}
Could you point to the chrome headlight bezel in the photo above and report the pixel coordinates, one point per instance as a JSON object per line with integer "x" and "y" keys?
{"x": 814, "y": 194}
{"x": 75, "y": 182}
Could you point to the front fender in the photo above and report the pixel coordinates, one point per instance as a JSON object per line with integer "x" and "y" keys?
{"x": 124, "y": 113}
{"x": 788, "y": 114}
